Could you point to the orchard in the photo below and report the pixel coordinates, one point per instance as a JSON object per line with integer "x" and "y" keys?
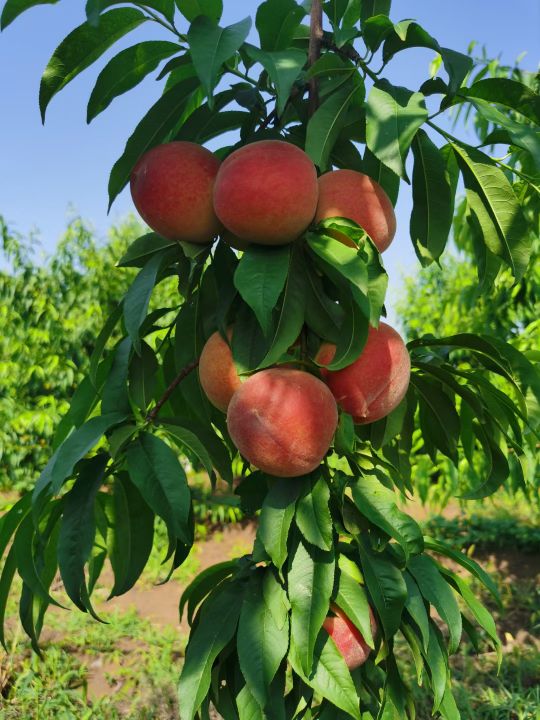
{"x": 273, "y": 366}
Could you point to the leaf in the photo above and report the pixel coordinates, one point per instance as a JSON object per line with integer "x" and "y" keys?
{"x": 101, "y": 341}
{"x": 345, "y": 260}
{"x": 437, "y": 664}
{"x": 393, "y": 116}
{"x": 276, "y": 22}
{"x": 431, "y": 217}
{"x": 283, "y": 68}
{"x": 493, "y": 201}
{"x": 513, "y": 133}
{"x": 6, "y": 581}
{"x": 94, "y": 8}
{"x": 138, "y": 296}
{"x": 191, "y": 9}
{"x": 310, "y": 582}
{"x": 276, "y": 518}
{"x": 81, "y": 48}
{"x": 188, "y": 439}
{"x": 378, "y": 504}
{"x": 142, "y": 376}
{"x": 202, "y": 585}
{"x": 374, "y": 7}
{"x": 415, "y": 606}
{"x": 498, "y": 468}
{"x": 125, "y": 71}
{"x": 313, "y": 514}
{"x": 507, "y": 92}
{"x": 352, "y": 599}
{"x": 438, "y": 416}
{"x": 386, "y": 586}
{"x": 353, "y": 332}
{"x": 11, "y": 519}
{"x": 78, "y": 528}
{"x": 132, "y": 537}
{"x": 259, "y": 661}
{"x": 216, "y": 627}
{"x": 386, "y": 178}
{"x": 247, "y": 705}
{"x": 155, "y": 128}
{"x": 13, "y": 8}
{"x": 155, "y": 471}
{"x": 115, "y": 395}
{"x": 326, "y": 123}
{"x": 211, "y": 45}
{"x": 260, "y": 278}
{"x": 323, "y": 315}
{"x": 437, "y": 592}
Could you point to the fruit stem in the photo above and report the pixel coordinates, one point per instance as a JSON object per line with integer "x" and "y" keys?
{"x": 184, "y": 372}
{"x": 315, "y": 44}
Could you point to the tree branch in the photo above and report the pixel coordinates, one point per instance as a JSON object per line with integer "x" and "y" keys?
{"x": 315, "y": 44}
{"x": 184, "y": 372}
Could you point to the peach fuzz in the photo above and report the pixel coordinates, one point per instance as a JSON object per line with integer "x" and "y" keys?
{"x": 353, "y": 195}
{"x": 348, "y": 639}
{"x": 283, "y": 421}
{"x": 217, "y": 372}
{"x": 266, "y": 192}
{"x": 374, "y": 385}
{"x": 172, "y": 187}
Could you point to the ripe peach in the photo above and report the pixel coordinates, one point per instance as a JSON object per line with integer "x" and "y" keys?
{"x": 172, "y": 186}
{"x": 348, "y": 639}
{"x": 217, "y": 372}
{"x": 283, "y": 421}
{"x": 266, "y": 192}
{"x": 376, "y": 382}
{"x": 353, "y": 195}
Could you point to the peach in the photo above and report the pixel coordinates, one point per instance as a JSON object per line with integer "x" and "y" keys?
{"x": 172, "y": 186}
{"x": 283, "y": 421}
{"x": 372, "y": 386}
{"x": 217, "y": 371}
{"x": 353, "y": 195}
{"x": 266, "y": 192}
{"x": 348, "y": 639}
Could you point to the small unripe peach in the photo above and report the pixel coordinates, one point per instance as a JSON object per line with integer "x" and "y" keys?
{"x": 353, "y": 195}
{"x": 282, "y": 421}
{"x": 266, "y": 192}
{"x": 217, "y": 371}
{"x": 348, "y": 639}
{"x": 374, "y": 385}
{"x": 172, "y": 187}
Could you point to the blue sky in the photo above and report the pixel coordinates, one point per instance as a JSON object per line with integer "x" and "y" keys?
{"x": 46, "y": 170}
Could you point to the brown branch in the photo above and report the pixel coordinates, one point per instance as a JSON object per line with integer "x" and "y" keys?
{"x": 184, "y": 372}
{"x": 315, "y": 44}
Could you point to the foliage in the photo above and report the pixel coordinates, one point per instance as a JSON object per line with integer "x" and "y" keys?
{"x": 486, "y": 532}
{"x": 337, "y": 534}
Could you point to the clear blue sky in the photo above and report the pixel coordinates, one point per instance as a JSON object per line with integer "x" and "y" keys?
{"x": 45, "y": 170}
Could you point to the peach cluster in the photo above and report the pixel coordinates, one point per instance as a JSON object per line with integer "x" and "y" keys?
{"x": 265, "y": 193}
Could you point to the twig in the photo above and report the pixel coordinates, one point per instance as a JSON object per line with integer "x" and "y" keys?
{"x": 152, "y": 415}
{"x": 347, "y": 51}
{"x": 315, "y": 44}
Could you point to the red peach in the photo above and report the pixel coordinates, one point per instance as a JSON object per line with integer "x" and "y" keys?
{"x": 266, "y": 192}
{"x": 372, "y": 386}
{"x": 348, "y": 639}
{"x": 283, "y": 421}
{"x": 353, "y": 195}
{"x": 172, "y": 186}
{"x": 217, "y": 371}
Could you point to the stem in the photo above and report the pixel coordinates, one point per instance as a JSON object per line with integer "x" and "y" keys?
{"x": 315, "y": 44}
{"x": 152, "y": 415}
{"x": 242, "y": 75}
{"x": 351, "y": 54}
{"x": 168, "y": 26}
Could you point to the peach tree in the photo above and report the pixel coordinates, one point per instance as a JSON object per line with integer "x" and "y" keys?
{"x": 272, "y": 360}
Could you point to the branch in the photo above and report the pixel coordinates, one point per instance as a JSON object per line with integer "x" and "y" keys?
{"x": 315, "y": 44}
{"x": 184, "y": 372}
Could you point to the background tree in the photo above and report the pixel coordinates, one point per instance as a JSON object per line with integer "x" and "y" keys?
{"x": 333, "y": 540}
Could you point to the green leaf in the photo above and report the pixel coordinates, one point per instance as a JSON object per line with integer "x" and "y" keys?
{"x": 81, "y": 48}
{"x": 393, "y": 116}
{"x": 161, "y": 480}
{"x": 138, "y": 297}
{"x": 94, "y": 8}
{"x": 142, "y": 376}
{"x": 276, "y": 518}
{"x": 329, "y": 119}
{"x": 260, "y": 660}
{"x": 276, "y": 22}
{"x": 437, "y": 664}
{"x": 202, "y": 585}
{"x": 310, "y": 582}
{"x": 375, "y": 30}
{"x": 492, "y": 199}
{"x": 13, "y": 8}
{"x": 78, "y": 528}
{"x": 211, "y": 45}
{"x": 188, "y": 439}
{"x": 374, "y": 7}
{"x": 345, "y": 260}
{"x": 247, "y": 705}
{"x": 260, "y": 278}
{"x": 115, "y": 394}
{"x": 155, "y": 128}
{"x": 448, "y": 708}
{"x": 11, "y": 519}
{"x": 436, "y": 591}
{"x": 101, "y": 341}
{"x": 216, "y": 627}
{"x": 512, "y": 133}
{"x": 344, "y": 439}
{"x": 313, "y": 514}
{"x": 378, "y": 504}
{"x": 438, "y": 416}
{"x": 125, "y": 71}
{"x": 191, "y": 9}
{"x": 283, "y": 68}
{"x": 507, "y": 92}
{"x": 386, "y": 586}
{"x": 352, "y": 599}
{"x": 431, "y": 217}
{"x": 132, "y": 537}
{"x": 6, "y": 581}
{"x": 498, "y": 468}
{"x": 386, "y": 178}
{"x": 204, "y": 124}
{"x": 353, "y": 332}
{"x": 323, "y": 315}
{"x": 416, "y": 607}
